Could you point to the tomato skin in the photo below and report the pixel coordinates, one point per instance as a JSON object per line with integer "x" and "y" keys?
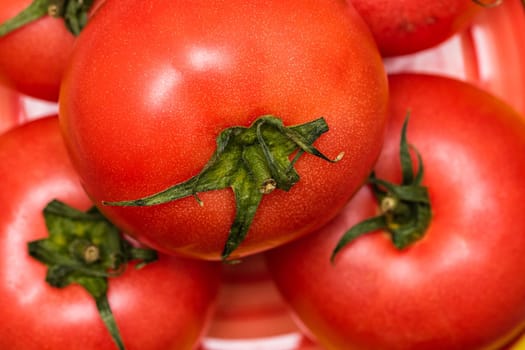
{"x": 164, "y": 305}
{"x": 249, "y": 305}
{"x": 136, "y": 124}
{"x": 460, "y": 287}
{"x": 405, "y": 27}
{"x": 33, "y": 57}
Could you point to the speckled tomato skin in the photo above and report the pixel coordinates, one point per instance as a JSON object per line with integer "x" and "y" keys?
{"x": 407, "y": 26}
{"x": 141, "y": 111}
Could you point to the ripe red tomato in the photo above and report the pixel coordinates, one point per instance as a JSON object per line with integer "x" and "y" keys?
{"x": 11, "y": 109}
{"x": 164, "y": 305}
{"x": 33, "y": 57}
{"x": 458, "y": 287}
{"x": 404, "y": 27}
{"x": 137, "y": 122}
{"x": 249, "y": 305}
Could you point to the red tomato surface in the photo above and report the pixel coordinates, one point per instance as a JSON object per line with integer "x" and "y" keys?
{"x": 141, "y": 110}
{"x": 33, "y": 58}
{"x": 164, "y": 305}
{"x": 249, "y": 305}
{"x": 461, "y": 285}
{"x": 11, "y": 109}
{"x": 404, "y": 27}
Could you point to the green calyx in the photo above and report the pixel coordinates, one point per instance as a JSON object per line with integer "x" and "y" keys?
{"x": 252, "y": 161}
{"x": 74, "y": 13}
{"x": 405, "y": 208}
{"x": 86, "y": 249}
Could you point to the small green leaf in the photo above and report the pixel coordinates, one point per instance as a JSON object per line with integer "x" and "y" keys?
{"x": 366, "y": 226}
{"x": 106, "y": 315}
{"x": 248, "y": 197}
{"x": 35, "y": 10}
{"x": 404, "y": 154}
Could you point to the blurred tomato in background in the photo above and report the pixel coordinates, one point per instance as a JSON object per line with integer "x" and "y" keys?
{"x": 12, "y": 111}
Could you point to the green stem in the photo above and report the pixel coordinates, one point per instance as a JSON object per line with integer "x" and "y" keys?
{"x": 252, "y": 161}
{"x": 405, "y": 208}
{"x": 144, "y": 255}
{"x": 36, "y": 10}
{"x": 107, "y": 317}
{"x": 84, "y": 248}
{"x": 74, "y": 12}
{"x": 254, "y": 158}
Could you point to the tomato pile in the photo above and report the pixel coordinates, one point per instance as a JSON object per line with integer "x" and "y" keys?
{"x": 193, "y": 136}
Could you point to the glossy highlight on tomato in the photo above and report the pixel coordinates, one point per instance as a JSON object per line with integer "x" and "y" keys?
{"x": 141, "y": 111}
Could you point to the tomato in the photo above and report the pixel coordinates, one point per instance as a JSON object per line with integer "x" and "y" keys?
{"x": 404, "y": 27}
{"x": 11, "y": 109}
{"x": 249, "y": 305}
{"x": 137, "y": 122}
{"x": 459, "y": 286}
{"x": 33, "y": 56}
{"x": 164, "y": 305}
